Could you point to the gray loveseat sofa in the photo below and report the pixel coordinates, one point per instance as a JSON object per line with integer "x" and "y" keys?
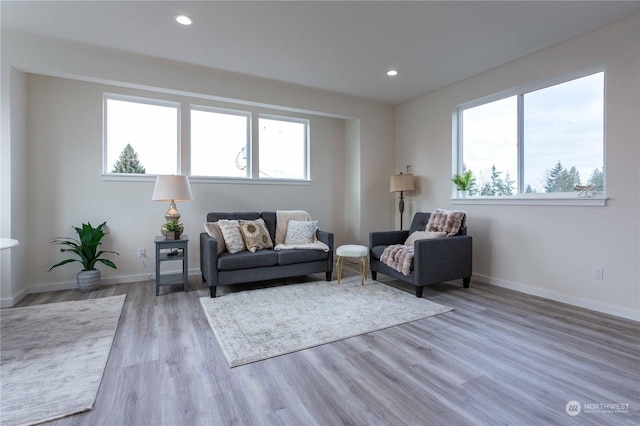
{"x": 435, "y": 260}
{"x": 243, "y": 267}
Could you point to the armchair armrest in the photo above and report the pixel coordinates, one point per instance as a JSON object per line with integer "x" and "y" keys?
{"x": 442, "y": 259}
{"x": 385, "y": 238}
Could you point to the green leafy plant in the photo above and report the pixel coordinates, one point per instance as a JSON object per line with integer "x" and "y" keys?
{"x": 173, "y": 226}
{"x": 462, "y": 181}
{"x": 86, "y": 248}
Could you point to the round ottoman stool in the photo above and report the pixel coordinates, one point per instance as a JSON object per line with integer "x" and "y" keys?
{"x": 355, "y": 251}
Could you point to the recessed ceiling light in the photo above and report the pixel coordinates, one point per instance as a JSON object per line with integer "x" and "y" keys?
{"x": 183, "y": 19}
{"x": 392, "y": 73}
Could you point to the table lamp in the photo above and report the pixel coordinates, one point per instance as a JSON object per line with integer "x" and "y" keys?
{"x": 172, "y": 188}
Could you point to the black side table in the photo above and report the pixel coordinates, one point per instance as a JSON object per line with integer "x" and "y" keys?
{"x": 172, "y": 250}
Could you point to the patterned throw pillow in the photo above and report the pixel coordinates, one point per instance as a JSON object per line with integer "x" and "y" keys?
{"x": 232, "y": 235}
{"x": 255, "y": 234}
{"x": 422, "y": 235}
{"x": 299, "y": 232}
{"x": 214, "y": 231}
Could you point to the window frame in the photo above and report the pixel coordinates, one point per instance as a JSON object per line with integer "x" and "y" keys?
{"x": 307, "y": 155}
{"x": 184, "y": 105}
{"x": 249, "y": 139}
{"x": 142, "y": 100}
{"x": 522, "y": 198}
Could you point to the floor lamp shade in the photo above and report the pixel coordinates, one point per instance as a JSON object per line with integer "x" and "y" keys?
{"x": 400, "y": 183}
{"x": 172, "y": 188}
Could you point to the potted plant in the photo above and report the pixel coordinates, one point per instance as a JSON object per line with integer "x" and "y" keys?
{"x": 172, "y": 229}
{"x": 462, "y": 181}
{"x": 86, "y": 248}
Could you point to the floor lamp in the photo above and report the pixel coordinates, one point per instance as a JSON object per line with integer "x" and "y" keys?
{"x": 401, "y": 183}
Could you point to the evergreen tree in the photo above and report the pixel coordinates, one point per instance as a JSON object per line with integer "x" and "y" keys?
{"x": 553, "y": 177}
{"x": 597, "y": 180}
{"x": 560, "y": 179}
{"x": 128, "y": 162}
{"x": 497, "y": 185}
{"x": 529, "y": 189}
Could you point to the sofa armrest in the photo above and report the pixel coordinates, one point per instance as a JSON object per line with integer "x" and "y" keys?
{"x": 443, "y": 259}
{"x": 327, "y": 238}
{"x": 209, "y": 259}
{"x": 385, "y": 238}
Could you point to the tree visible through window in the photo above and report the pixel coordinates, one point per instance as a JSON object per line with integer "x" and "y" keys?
{"x": 545, "y": 141}
{"x": 128, "y": 162}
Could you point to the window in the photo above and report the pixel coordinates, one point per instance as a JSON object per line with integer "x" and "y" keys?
{"x": 283, "y": 148}
{"x": 543, "y": 141}
{"x": 220, "y": 143}
{"x": 141, "y": 136}
{"x": 144, "y": 136}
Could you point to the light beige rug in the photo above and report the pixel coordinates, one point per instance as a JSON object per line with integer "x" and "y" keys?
{"x": 53, "y": 357}
{"x": 254, "y": 325}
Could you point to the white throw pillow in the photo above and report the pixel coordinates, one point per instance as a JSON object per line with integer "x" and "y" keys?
{"x": 422, "y": 235}
{"x": 301, "y": 232}
{"x": 214, "y": 231}
{"x": 232, "y": 235}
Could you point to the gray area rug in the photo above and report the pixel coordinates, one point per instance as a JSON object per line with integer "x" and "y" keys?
{"x": 53, "y": 357}
{"x": 258, "y": 324}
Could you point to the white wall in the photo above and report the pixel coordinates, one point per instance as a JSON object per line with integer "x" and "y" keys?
{"x": 546, "y": 250}
{"x": 64, "y": 156}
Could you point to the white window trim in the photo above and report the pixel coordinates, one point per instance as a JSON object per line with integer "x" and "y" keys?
{"x": 521, "y": 198}
{"x": 559, "y": 199}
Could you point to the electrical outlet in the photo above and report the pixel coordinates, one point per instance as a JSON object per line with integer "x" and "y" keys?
{"x": 142, "y": 252}
{"x": 597, "y": 272}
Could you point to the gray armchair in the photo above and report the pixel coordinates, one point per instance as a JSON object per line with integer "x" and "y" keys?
{"x": 435, "y": 260}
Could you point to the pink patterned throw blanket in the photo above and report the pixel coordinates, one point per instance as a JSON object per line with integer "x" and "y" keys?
{"x": 449, "y": 221}
{"x": 399, "y": 256}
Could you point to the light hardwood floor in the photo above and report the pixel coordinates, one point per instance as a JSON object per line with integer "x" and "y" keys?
{"x": 500, "y": 357}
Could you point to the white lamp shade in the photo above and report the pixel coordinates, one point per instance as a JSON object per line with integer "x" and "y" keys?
{"x": 402, "y": 183}
{"x": 172, "y": 188}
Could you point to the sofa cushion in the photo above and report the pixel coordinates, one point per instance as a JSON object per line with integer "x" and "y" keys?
{"x": 232, "y": 236}
{"x": 246, "y": 259}
{"x": 255, "y": 234}
{"x": 214, "y": 231}
{"x": 289, "y": 257}
{"x": 216, "y": 216}
{"x": 270, "y": 220}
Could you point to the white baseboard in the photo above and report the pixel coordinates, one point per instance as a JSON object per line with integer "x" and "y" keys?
{"x": 70, "y": 285}
{"x": 559, "y": 297}
{"x": 11, "y": 301}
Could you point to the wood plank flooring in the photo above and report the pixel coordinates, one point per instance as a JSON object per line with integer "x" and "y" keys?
{"x": 500, "y": 357}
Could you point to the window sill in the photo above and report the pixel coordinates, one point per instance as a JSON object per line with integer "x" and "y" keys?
{"x": 202, "y": 179}
{"x": 592, "y": 201}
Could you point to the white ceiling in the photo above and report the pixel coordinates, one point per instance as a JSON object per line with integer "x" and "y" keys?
{"x": 344, "y": 47}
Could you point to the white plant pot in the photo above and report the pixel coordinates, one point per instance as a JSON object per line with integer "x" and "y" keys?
{"x": 88, "y": 280}
{"x": 463, "y": 194}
